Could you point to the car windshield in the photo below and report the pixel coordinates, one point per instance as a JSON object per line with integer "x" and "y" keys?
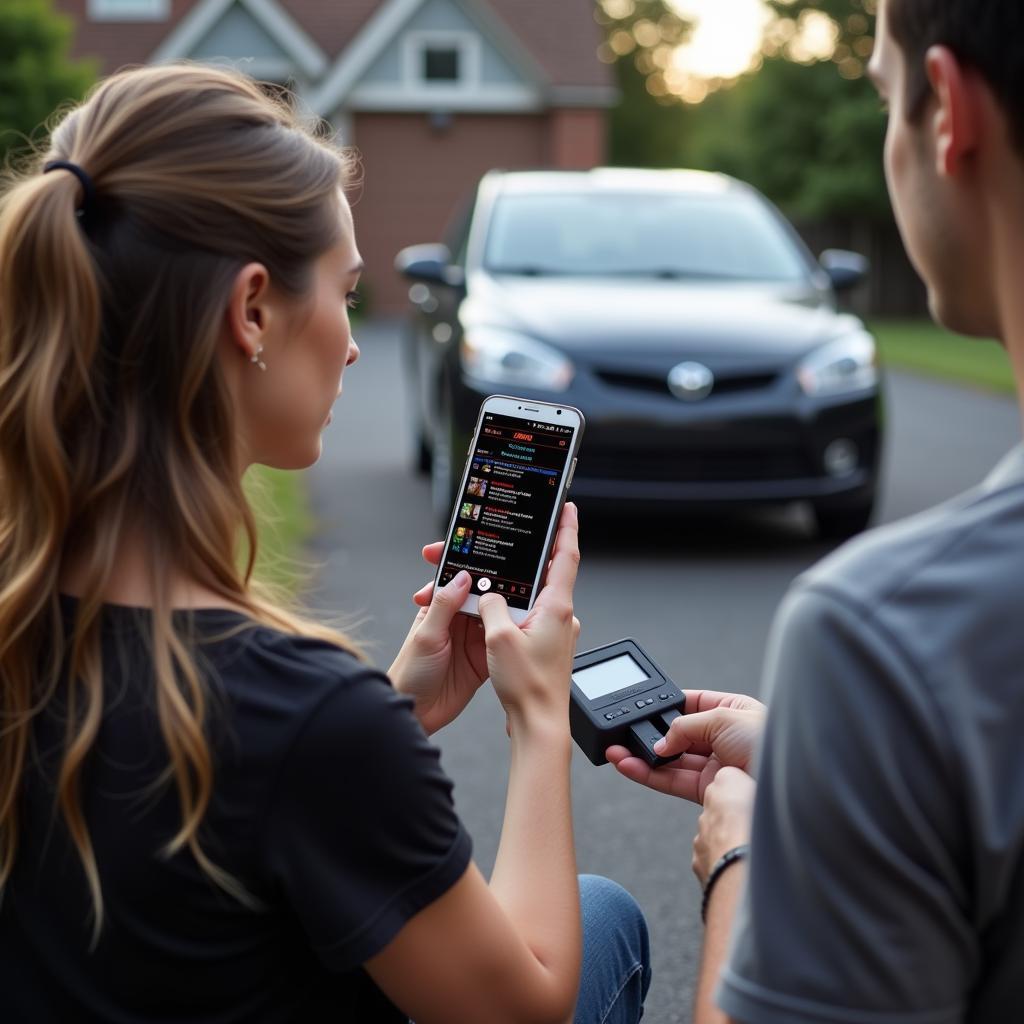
{"x": 716, "y": 237}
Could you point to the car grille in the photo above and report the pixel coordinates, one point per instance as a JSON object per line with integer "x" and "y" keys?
{"x": 732, "y": 465}
{"x": 658, "y": 384}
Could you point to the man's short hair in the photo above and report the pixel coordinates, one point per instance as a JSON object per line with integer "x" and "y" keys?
{"x": 986, "y": 35}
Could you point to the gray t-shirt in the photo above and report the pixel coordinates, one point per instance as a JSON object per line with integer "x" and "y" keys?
{"x": 886, "y": 879}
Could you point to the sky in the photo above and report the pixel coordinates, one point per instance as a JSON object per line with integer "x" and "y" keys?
{"x": 727, "y": 36}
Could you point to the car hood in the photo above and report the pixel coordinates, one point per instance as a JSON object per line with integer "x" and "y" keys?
{"x": 680, "y": 319}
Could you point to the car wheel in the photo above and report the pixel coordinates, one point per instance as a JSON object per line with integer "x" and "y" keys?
{"x": 838, "y": 522}
{"x": 421, "y": 456}
{"x": 442, "y": 469}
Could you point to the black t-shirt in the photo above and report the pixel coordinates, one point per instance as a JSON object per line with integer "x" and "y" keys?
{"x": 330, "y": 806}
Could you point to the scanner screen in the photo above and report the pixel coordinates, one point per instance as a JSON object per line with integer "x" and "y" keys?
{"x": 608, "y": 676}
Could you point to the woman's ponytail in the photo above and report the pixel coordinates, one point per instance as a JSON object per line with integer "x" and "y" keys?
{"x": 116, "y": 414}
{"x": 50, "y": 313}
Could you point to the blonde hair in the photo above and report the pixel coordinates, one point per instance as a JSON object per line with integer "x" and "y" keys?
{"x": 114, "y": 412}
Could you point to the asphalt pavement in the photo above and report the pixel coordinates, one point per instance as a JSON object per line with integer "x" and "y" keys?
{"x": 699, "y": 595}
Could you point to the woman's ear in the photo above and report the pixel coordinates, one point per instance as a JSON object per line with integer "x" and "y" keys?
{"x": 248, "y": 312}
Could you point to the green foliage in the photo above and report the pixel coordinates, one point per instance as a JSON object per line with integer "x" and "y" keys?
{"x": 36, "y": 75}
{"x": 805, "y": 129}
{"x": 280, "y": 504}
{"x": 648, "y": 127}
{"x": 808, "y": 138}
{"x": 642, "y": 131}
{"x": 921, "y": 347}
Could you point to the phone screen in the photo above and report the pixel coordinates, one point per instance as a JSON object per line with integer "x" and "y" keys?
{"x": 502, "y": 517}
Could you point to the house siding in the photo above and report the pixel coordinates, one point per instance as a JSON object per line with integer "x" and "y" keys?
{"x": 416, "y": 178}
{"x": 417, "y": 172}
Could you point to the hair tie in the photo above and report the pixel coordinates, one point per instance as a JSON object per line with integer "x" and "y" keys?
{"x": 88, "y": 188}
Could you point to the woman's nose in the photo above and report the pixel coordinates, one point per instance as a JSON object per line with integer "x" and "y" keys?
{"x": 353, "y": 352}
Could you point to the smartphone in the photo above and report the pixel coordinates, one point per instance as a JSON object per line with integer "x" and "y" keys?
{"x": 520, "y": 466}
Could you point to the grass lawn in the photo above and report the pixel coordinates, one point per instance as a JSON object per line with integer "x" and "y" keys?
{"x": 279, "y": 501}
{"x": 920, "y": 346}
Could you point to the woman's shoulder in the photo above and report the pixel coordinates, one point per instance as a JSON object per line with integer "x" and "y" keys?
{"x": 275, "y": 685}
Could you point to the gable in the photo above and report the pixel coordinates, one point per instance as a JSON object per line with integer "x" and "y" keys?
{"x": 237, "y": 36}
{"x": 442, "y": 20}
{"x": 259, "y": 36}
{"x": 383, "y": 68}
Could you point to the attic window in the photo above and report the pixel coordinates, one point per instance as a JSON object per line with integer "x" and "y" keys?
{"x": 129, "y": 10}
{"x": 441, "y": 64}
{"x": 442, "y": 59}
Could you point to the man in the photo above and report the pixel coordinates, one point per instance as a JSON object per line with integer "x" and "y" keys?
{"x": 886, "y": 873}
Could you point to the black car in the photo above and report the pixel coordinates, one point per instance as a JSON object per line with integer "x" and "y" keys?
{"x": 680, "y": 312}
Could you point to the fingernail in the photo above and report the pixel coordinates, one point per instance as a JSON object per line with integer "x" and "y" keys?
{"x": 659, "y": 746}
{"x": 461, "y": 578}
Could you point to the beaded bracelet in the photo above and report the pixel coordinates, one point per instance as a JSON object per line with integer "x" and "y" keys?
{"x": 737, "y": 853}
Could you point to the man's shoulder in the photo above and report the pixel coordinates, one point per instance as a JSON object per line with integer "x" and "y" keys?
{"x": 954, "y": 565}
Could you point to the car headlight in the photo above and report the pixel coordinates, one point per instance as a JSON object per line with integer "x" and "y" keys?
{"x": 848, "y": 364}
{"x": 507, "y": 358}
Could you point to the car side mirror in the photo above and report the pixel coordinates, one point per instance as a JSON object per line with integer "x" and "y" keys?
{"x": 431, "y": 263}
{"x": 845, "y": 269}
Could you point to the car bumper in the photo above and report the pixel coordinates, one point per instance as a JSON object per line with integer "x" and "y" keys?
{"x": 767, "y": 450}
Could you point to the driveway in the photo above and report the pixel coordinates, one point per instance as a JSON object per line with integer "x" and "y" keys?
{"x": 698, "y": 595}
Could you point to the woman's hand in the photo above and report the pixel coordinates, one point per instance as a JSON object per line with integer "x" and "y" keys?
{"x": 530, "y": 664}
{"x": 446, "y": 658}
{"x": 718, "y": 730}
{"x": 443, "y": 661}
{"x": 725, "y": 820}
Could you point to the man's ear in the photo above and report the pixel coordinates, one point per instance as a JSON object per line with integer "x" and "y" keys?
{"x": 248, "y": 312}
{"x": 956, "y": 121}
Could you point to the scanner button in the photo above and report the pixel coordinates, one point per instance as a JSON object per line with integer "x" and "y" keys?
{"x": 650, "y": 700}
{"x": 611, "y": 715}
{"x": 640, "y": 703}
{"x": 662, "y": 696}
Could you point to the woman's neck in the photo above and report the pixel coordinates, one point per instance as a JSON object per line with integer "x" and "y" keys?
{"x": 129, "y": 582}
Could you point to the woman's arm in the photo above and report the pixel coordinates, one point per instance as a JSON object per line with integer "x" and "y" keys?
{"x": 511, "y": 951}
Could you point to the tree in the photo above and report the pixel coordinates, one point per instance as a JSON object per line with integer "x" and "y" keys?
{"x": 36, "y": 74}
{"x": 806, "y": 128}
{"x": 648, "y": 127}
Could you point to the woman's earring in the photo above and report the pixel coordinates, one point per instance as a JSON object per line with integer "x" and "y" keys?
{"x": 256, "y": 358}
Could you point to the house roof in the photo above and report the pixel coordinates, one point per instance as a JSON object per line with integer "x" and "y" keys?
{"x": 560, "y": 35}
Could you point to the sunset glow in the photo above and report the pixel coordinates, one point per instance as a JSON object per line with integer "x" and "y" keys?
{"x": 726, "y": 37}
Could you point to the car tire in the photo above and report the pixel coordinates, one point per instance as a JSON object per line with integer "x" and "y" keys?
{"x": 421, "y": 455}
{"x": 839, "y": 522}
{"x": 442, "y": 469}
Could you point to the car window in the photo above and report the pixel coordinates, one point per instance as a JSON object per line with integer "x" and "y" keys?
{"x": 727, "y": 237}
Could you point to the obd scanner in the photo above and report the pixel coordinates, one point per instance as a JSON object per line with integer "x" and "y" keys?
{"x": 619, "y": 696}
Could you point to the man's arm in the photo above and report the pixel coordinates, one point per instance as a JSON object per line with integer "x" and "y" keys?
{"x": 721, "y": 911}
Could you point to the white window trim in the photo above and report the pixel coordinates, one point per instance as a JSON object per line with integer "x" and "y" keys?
{"x": 470, "y": 52}
{"x": 491, "y": 99}
{"x": 144, "y": 10}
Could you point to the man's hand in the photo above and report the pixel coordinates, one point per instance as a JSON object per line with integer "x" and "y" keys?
{"x": 725, "y": 820}
{"x": 718, "y": 730}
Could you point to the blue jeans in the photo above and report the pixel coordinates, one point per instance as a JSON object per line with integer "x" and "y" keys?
{"x": 616, "y": 955}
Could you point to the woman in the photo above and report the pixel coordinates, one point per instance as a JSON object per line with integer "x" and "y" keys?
{"x": 211, "y": 809}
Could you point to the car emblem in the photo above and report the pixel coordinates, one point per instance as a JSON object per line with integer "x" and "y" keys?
{"x": 690, "y": 381}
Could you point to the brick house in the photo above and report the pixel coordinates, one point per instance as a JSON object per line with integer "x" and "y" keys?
{"x": 431, "y": 92}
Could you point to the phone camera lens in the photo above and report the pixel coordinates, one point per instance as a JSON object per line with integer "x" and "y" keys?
{"x": 558, "y": 412}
